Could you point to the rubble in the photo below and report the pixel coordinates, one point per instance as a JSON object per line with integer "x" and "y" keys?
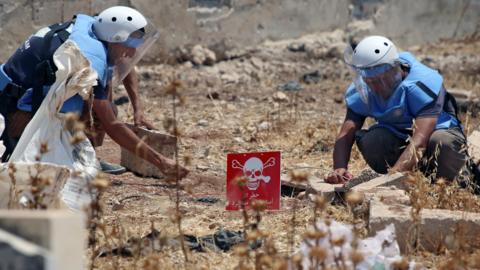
{"x": 395, "y": 180}
{"x": 202, "y": 56}
{"x": 57, "y": 236}
{"x": 280, "y": 97}
{"x": 291, "y": 86}
{"x": 48, "y": 180}
{"x": 164, "y": 144}
{"x": 380, "y": 251}
{"x": 18, "y": 254}
{"x": 436, "y": 229}
{"x": 474, "y": 145}
{"x": 312, "y": 77}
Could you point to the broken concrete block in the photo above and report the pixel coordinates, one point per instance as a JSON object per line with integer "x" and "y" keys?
{"x": 474, "y": 145}
{"x": 461, "y": 95}
{"x": 395, "y": 179}
{"x": 315, "y": 185}
{"x": 59, "y": 232}
{"x": 437, "y": 227}
{"x": 19, "y": 254}
{"x": 48, "y": 178}
{"x": 466, "y": 101}
{"x": 162, "y": 143}
{"x": 388, "y": 195}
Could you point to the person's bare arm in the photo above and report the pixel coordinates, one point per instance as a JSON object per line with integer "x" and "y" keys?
{"x": 131, "y": 85}
{"x": 127, "y": 139}
{"x": 341, "y": 152}
{"x": 422, "y": 131}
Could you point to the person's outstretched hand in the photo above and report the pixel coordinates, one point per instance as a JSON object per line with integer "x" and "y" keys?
{"x": 139, "y": 120}
{"x": 339, "y": 176}
{"x": 169, "y": 168}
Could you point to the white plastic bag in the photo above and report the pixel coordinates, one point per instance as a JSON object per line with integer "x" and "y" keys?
{"x": 74, "y": 76}
{"x": 378, "y": 252}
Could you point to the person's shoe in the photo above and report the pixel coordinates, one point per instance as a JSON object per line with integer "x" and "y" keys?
{"x": 110, "y": 168}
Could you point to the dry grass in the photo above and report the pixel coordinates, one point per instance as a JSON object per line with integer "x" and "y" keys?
{"x": 306, "y": 139}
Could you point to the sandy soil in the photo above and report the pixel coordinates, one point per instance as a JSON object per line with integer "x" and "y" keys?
{"x": 244, "y": 116}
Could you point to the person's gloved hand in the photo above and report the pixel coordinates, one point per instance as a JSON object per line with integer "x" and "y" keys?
{"x": 339, "y": 176}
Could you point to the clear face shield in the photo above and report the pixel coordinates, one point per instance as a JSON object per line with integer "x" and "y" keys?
{"x": 125, "y": 55}
{"x": 380, "y": 80}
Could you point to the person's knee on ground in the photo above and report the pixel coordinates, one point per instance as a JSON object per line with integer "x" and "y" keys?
{"x": 379, "y": 147}
{"x": 446, "y": 154}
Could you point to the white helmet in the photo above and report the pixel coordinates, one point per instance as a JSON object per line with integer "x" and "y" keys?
{"x": 115, "y": 24}
{"x": 371, "y": 51}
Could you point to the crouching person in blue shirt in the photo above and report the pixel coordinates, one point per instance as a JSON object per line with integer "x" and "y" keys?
{"x": 413, "y": 112}
{"x": 112, "y": 42}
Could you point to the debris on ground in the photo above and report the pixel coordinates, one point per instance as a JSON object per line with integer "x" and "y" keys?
{"x": 335, "y": 245}
{"x": 221, "y": 241}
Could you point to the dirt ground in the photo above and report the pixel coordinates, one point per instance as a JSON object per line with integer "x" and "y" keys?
{"x": 234, "y": 106}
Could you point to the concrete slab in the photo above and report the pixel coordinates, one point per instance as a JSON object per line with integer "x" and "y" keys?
{"x": 19, "y": 254}
{"x": 60, "y": 232}
{"x": 474, "y": 145}
{"x": 395, "y": 180}
{"x": 162, "y": 143}
{"x": 437, "y": 226}
{"x": 462, "y": 95}
{"x": 53, "y": 179}
{"x": 388, "y": 195}
{"x": 315, "y": 185}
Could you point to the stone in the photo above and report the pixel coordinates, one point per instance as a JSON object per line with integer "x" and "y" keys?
{"x": 474, "y": 145}
{"x": 461, "y": 94}
{"x": 256, "y": 62}
{"x": 466, "y": 100}
{"x": 263, "y": 126}
{"x": 291, "y": 86}
{"x": 359, "y": 29}
{"x": 388, "y": 195}
{"x": 314, "y": 185}
{"x": 26, "y": 172}
{"x": 312, "y": 77}
{"x": 436, "y": 227}
{"x": 395, "y": 179}
{"x": 61, "y": 233}
{"x": 230, "y": 78}
{"x": 202, "y": 56}
{"x": 162, "y": 143}
{"x": 238, "y": 140}
{"x": 202, "y": 168}
{"x": 231, "y": 107}
{"x": 280, "y": 97}
{"x": 296, "y": 47}
{"x": 202, "y": 123}
{"x": 18, "y": 254}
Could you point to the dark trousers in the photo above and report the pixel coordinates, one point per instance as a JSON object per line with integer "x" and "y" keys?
{"x": 17, "y": 121}
{"x": 445, "y": 156}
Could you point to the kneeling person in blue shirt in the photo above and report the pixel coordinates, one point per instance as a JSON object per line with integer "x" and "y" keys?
{"x": 413, "y": 112}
